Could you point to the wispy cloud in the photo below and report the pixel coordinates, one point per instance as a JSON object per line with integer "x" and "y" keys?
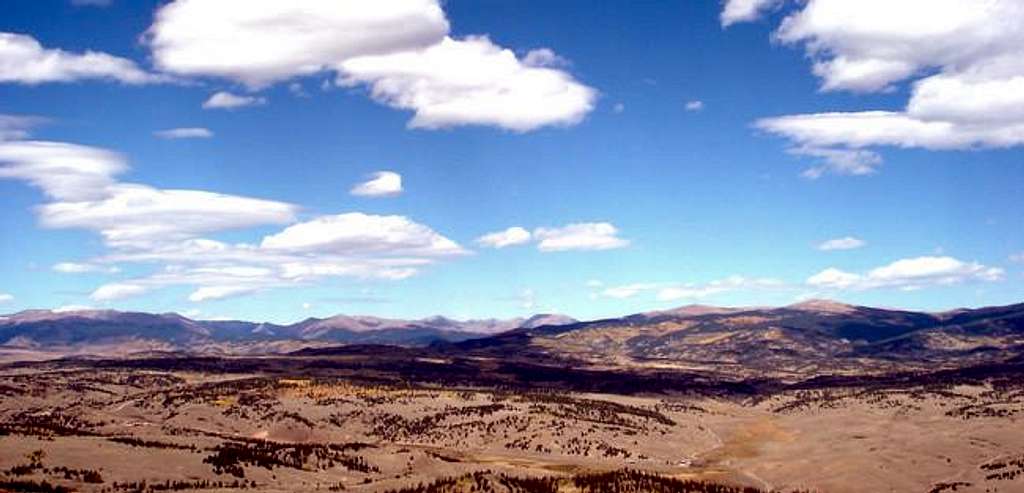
{"x": 675, "y": 291}
{"x": 844, "y": 243}
{"x": 80, "y": 268}
{"x": 184, "y": 133}
{"x": 229, "y": 101}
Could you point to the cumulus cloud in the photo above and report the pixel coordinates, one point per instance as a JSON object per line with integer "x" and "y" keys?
{"x": 24, "y": 61}
{"x": 579, "y": 236}
{"x": 911, "y": 273}
{"x": 6, "y": 298}
{"x": 399, "y": 50}
{"x": 515, "y": 235}
{"x": 356, "y": 233}
{"x": 471, "y": 81}
{"x": 834, "y": 278}
{"x": 184, "y": 133}
{"x": 259, "y": 42}
{"x": 964, "y": 58}
{"x": 381, "y": 184}
{"x": 229, "y": 101}
{"x": 694, "y": 105}
{"x": 844, "y": 243}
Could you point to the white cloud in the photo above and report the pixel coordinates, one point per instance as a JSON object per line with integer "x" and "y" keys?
{"x": 146, "y": 225}
{"x": 259, "y": 42}
{"x": 964, "y": 58}
{"x": 80, "y": 268}
{"x": 228, "y": 101}
{"x": 500, "y": 239}
{"x": 744, "y": 10}
{"x": 24, "y": 61}
{"x": 694, "y": 105}
{"x": 139, "y": 216}
{"x": 400, "y": 50}
{"x": 844, "y": 243}
{"x": 834, "y": 278}
{"x": 184, "y": 133}
{"x": 116, "y": 291}
{"x": 6, "y": 298}
{"x": 888, "y": 128}
{"x": 81, "y": 181}
{"x": 63, "y": 171}
{"x": 471, "y": 82}
{"x": 382, "y": 184}
{"x": 911, "y": 273}
{"x": 350, "y": 245}
{"x": 618, "y": 108}
{"x": 1017, "y": 257}
{"x": 358, "y": 233}
{"x": 579, "y": 236}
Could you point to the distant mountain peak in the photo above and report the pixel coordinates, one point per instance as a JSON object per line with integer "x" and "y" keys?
{"x": 697, "y": 309}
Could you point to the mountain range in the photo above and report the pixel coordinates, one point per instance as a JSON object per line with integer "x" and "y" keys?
{"x": 77, "y": 330}
{"x": 811, "y": 337}
{"x": 808, "y": 338}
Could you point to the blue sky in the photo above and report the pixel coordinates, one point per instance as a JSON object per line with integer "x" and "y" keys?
{"x": 650, "y": 154}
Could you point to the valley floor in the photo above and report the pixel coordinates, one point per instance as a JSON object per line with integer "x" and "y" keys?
{"x": 119, "y": 429}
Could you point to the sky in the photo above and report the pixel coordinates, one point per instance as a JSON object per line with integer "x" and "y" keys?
{"x": 264, "y": 160}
